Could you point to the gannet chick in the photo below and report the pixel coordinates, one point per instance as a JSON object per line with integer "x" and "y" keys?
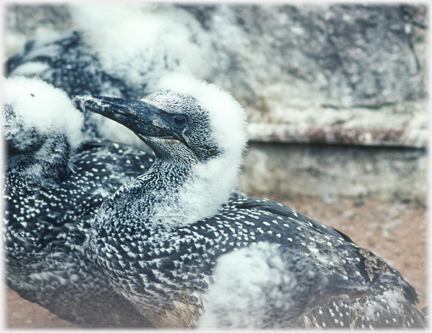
{"x": 159, "y": 237}
{"x": 117, "y": 50}
{"x": 54, "y": 185}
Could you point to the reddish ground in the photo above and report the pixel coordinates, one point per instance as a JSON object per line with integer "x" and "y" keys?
{"x": 394, "y": 231}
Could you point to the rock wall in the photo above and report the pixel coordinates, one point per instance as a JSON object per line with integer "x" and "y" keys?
{"x": 309, "y": 72}
{"x": 335, "y": 94}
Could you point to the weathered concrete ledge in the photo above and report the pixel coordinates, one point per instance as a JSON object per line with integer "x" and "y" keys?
{"x": 333, "y": 135}
{"x": 327, "y": 171}
{"x": 400, "y": 125}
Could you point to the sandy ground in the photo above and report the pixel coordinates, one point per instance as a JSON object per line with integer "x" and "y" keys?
{"x": 395, "y": 231}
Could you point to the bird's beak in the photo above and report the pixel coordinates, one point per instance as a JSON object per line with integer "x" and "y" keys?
{"x": 144, "y": 119}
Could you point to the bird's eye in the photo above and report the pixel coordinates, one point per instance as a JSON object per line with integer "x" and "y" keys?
{"x": 179, "y": 120}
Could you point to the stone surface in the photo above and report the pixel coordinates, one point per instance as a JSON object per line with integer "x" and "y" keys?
{"x": 403, "y": 124}
{"x": 361, "y": 67}
{"x": 309, "y": 55}
{"x": 330, "y": 171}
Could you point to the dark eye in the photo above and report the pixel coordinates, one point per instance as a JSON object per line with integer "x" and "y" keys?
{"x": 179, "y": 120}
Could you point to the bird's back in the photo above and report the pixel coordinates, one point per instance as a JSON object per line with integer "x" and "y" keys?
{"x": 172, "y": 269}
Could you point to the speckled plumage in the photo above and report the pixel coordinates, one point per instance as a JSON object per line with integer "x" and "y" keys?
{"x": 162, "y": 277}
{"x": 52, "y": 191}
{"x": 46, "y": 225}
{"x": 148, "y": 239}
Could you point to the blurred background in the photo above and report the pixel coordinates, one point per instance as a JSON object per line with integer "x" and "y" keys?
{"x": 336, "y": 98}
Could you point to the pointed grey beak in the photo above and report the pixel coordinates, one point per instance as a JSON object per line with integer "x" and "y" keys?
{"x": 144, "y": 119}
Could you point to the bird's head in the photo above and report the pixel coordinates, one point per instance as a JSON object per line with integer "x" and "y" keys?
{"x": 41, "y": 127}
{"x": 186, "y": 121}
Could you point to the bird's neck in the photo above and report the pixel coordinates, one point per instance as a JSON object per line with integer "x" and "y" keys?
{"x": 175, "y": 195}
